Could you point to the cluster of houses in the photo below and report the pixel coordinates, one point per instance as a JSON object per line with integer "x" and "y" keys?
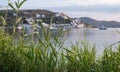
{"x": 44, "y": 16}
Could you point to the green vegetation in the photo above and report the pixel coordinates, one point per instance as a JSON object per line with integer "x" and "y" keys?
{"x": 46, "y": 56}
{"x": 24, "y": 55}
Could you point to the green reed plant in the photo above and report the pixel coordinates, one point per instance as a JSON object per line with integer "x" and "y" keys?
{"x": 81, "y": 58}
{"x": 46, "y": 56}
{"x": 110, "y": 60}
{"x": 16, "y": 6}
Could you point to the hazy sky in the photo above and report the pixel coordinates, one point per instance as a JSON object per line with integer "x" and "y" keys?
{"x": 98, "y": 9}
{"x": 53, "y": 3}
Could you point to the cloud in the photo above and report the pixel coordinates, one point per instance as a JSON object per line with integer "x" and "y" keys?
{"x": 93, "y": 8}
{"x": 31, "y": 4}
{"x": 93, "y": 2}
{"x": 61, "y": 3}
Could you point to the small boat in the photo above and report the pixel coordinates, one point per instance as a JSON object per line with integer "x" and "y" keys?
{"x": 103, "y": 28}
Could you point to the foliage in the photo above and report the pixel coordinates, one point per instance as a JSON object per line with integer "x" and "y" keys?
{"x": 46, "y": 56}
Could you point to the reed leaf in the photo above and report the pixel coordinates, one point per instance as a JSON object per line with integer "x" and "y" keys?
{"x": 3, "y": 20}
{"x": 16, "y": 4}
{"x": 11, "y": 5}
{"x": 18, "y": 20}
{"x": 21, "y": 3}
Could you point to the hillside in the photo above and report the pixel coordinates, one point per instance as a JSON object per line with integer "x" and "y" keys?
{"x": 34, "y": 15}
{"x": 96, "y": 23}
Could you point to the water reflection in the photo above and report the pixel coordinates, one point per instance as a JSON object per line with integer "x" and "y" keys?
{"x": 100, "y": 38}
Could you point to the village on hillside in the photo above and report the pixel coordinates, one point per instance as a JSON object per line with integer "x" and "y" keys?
{"x": 39, "y": 16}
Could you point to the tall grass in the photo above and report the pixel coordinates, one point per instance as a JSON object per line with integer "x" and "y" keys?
{"x": 81, "y": 57}
{"x": 49, "y": 55}
{"x": 46, "y": 56}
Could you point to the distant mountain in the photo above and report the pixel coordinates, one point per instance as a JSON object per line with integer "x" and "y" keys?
{"x": 96, "y": 23}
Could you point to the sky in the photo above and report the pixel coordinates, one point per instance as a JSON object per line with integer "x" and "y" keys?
{"x": 97, "y": 9}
